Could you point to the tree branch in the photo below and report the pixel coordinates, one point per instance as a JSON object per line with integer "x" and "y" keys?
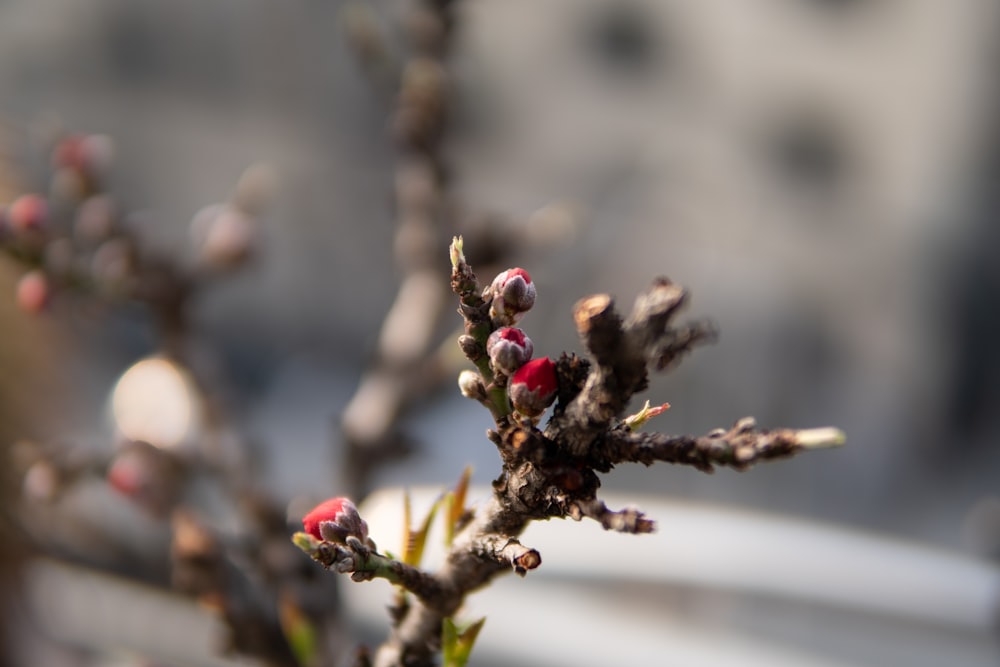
{"x": 628, "y": 520}
{"x": 740, "y": 447}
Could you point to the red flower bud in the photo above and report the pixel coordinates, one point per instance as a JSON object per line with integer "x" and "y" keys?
{"x": 513, "y": 295}
{"x": 533, "y": 387}
{"x": 334, "y": 520}
{"x": 508, "y": 349}
{"x": 27, "y": 212}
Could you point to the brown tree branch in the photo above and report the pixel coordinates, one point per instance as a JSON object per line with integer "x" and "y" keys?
{"x": 628, "y": 520}
{"x": 621, "y": 353}
{"x": 740, "y": 447}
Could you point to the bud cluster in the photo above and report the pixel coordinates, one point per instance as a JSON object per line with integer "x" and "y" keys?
{"x": 75, "y": 236}
{"x": 514, "y": 380}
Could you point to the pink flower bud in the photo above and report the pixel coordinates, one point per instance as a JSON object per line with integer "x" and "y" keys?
{"x": 334, "y": 520}
{"x": 86, "y": 154}
{"x": 146, "y": 476}
{"x": 27, "y": 212}
{"x": 69, "y": 153}
{"x": 33, "y": 292}
{"x": 508, "y": 349}
{"x": 533, "y": 387}
{"x": 513, "y": 295}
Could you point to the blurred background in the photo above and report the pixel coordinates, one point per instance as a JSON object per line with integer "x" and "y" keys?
{"x": 821, "y": 174}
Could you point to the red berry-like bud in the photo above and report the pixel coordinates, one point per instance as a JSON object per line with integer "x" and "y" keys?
{"x": 513, "y": 295}
{"x": 533, "y": 387}
{"x": 27, "y": 212}
{"x": 334, "y": 520}
{"x": 508, "y": 349}
{"x": 33, "y": 292}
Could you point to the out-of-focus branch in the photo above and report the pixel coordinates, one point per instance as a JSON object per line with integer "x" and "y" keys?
{"x": 404, "y": 365}
{"x": 407, "y": 359}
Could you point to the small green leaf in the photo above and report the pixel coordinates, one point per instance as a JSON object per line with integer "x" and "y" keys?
{"x": 300, "y": 633}
{"x": 305, "y": 541}
{"x": 449, "y": 523}
{"x": 636, "y": 421}
{"x": 456, "y": 252}
{"x": 458, "y": 507}
{"x": 415, "y": 540}
{"x": 454, "y": 504}
{"x": 407, "y": 522}
{"x": 456, "y": 645}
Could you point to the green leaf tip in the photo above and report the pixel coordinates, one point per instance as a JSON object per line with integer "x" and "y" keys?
{"x": 305, "y": 541}
{"x": 456, "y": 644}
{"x": 456, "y": 251}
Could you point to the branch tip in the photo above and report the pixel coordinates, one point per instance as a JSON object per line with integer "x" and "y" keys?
{"x": 456, "y": 252}
{"x": 589, "y": 308}
{"x": 820, "y": 438}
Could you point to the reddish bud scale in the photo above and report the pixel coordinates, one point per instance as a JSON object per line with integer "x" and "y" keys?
{"x": 533, "y": 387}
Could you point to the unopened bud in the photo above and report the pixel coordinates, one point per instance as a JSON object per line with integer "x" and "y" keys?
{"x": 470, "y": 346}
{"x": 513, "y": 295}
{"x": 33, "y": 292}
{"x": 86, "y": 154}
{"x": 69, "y": 153}
{"x": 27, "y": 213}
{"x": 145, "y": 476}
{"x": 533, "y": 387}
{"x": 334, "y": 520}
{"x": 94, "y": 219}
{"x": 508, "y": 349}
{"x": 470, "y": 383}
{"x": 456, "y": 251}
